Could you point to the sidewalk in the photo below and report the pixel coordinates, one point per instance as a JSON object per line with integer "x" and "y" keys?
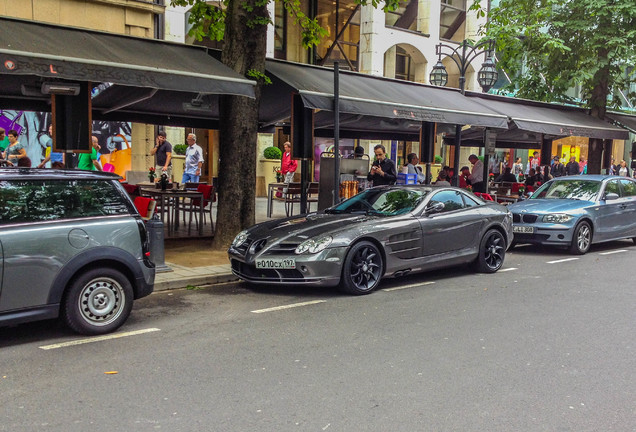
{"x": 193, "y": 263}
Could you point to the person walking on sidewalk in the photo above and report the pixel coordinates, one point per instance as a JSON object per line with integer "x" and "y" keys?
{"x": 193, "y": 161}
{"x": 288, "y": 166}
{"x": 163, "y": 155}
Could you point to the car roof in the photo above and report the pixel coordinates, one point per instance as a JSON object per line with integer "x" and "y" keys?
{"x": 55, "y": 174}
{"x": 595, "y": 177}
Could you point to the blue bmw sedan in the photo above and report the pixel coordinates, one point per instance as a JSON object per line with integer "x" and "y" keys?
{"x": 577, "y": 211}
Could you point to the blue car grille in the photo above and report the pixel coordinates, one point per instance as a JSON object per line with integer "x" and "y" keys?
{"x": 525, "y": 218}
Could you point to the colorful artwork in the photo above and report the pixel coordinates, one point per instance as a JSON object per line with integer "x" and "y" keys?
{"x": 33, "y": 130}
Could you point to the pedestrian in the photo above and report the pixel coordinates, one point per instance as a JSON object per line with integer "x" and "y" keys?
{"x": 163, "y": 155}
{"x": 51, "y": 155}
{"x": 15, "y": 150}
{"x": 4, "y": 140}
{"x": 193, "y": 161}
{"x": 477, "y": 174}
{"x": 508, "y": 176}
{"x": 582, "y": 166}
{"x": 90, "y": 161}
{"x": 288, "y": 166}
{"x": 464, "y": 173}
{"x": 572, "y": 168}
{"x": 413, "y": 168}
{"x": 441, "y": 179}
{"x": 517, "y": 168}
{"x": 558, "y": 169}
{"x": 623, "y": 170}
{"x": 611, "y": 170}
{"x": 383, "y": 170}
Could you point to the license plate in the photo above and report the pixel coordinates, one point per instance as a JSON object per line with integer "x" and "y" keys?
{"x": 522, "y": 229}
{"x": 276, "y": 263}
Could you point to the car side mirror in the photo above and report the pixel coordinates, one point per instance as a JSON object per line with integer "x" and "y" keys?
{"x": 611, "y": 196}
{"x": 434, "y": 207}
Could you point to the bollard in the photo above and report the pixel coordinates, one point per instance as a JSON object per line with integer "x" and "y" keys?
{"x": 154, "y": 227}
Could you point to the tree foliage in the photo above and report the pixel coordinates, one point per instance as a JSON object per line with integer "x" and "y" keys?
{"x": 551, "y": 46}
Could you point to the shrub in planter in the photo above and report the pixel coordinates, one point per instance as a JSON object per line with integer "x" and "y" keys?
{"x": 179, "y": 149}
{"x": 438, "y": 159}
{"x": 272, "y": 153}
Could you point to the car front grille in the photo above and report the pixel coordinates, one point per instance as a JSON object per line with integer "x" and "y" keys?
{"x": 283, "y": 249}
{"x": 266, "y": 275}
{"x": 526, "y": 218}
{"x": 531, "y": 238}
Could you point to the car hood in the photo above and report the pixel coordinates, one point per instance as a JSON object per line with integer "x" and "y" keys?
{"x": 542, "y": 206}
{"x": 300, "y": 228}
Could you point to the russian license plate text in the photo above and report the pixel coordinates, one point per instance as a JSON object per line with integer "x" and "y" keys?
{"x": 276, "y": 263}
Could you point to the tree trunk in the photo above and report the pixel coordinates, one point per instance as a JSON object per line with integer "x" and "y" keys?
{"x": 598, "y": 105}
{"x": 244, "y": 50}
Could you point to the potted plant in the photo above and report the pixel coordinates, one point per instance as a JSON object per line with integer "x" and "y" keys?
{"x": 179, "y": 149}
{"x": 268, "y": 169}
{"x": 152, "y": 174}
{"x": 272, "y": 153}
{"x": 178, "y": 160}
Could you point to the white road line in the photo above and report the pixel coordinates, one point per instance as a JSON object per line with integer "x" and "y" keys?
{"x": 98, "y": 339}
{"x": 561, "y": 260}
{"x": 613, "y": 252}
{"x": 289, "y": 306}
{"x": 508, "y": 269}
{"x": 407, "y": 286}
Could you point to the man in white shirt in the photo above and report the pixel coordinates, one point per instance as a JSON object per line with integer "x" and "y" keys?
{"x": 476, "y": 176}
{"x": 193, "y": 161}
{"x": 413, "y": 168}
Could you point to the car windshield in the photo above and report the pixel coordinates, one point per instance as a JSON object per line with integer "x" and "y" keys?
{"x": 586, "y": 190}
{"x": 382, "y": 202}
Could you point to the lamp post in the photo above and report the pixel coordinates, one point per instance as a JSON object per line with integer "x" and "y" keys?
{"x": 463, "y": 55}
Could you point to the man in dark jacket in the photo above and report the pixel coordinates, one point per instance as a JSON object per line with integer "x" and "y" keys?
{"x": 383, "y": 170}
{"x": 572, "y": 168}
{"x": 558, "y": 169}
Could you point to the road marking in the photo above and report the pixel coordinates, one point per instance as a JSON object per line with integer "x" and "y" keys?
{"x": 561, "y": 260}
{"x": 407, "y": 286}
{"x": 508, "y": 269}
{"x": 289, "y": 306}
{"x": 98, "y": 339}
{"x": 613, "y": 252}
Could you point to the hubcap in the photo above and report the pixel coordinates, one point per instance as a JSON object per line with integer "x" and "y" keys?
{"x": 494, "y": 251}
{"x": 101, "y": 301}
{"x": 365, "y": 269}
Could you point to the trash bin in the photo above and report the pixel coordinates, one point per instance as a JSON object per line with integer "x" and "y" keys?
{"x": 154, "y": 227}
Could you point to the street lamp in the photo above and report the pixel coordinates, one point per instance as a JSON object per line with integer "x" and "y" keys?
{"x": 463, "y": 55}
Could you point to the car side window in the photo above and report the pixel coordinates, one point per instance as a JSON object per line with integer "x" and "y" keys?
{"x": 469, "y": 202}
{"x": 629, "y": 187}
{"x": 451, "y": 199}
{"x": 612, "y": 187}
{"x": 45, "y": 200}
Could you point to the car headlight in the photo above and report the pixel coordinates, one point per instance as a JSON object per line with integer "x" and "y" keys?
{"x": 557, "y": 218}
{"x": 240, "y": 238}
{"x": 314, "y": 246}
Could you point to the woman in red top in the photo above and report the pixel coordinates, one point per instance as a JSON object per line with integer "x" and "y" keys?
{"x": 288, "y": 166}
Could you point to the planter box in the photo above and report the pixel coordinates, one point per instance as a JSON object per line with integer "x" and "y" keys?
{"x": 266, "y": 174}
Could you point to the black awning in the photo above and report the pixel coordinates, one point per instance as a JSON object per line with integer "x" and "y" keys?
{"x": 55, "y": 52}
{"x": 372, "y": 96}
{"x": 625, "y": 120}
{"x": 550, "y": 119}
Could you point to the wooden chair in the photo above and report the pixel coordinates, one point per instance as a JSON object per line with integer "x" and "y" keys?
{"x": 312, "y": 194}
{"x": 209, "y": 196}
{"x": 292, "y": 196}
{"x": 146, "y": 207}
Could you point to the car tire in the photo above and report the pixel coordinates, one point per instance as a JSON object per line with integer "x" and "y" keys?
{"x": 98, "y": 301}
{"x": 582, "y": 238}
{"x": 492, "y": 252}
{"x": 362, "y": 269}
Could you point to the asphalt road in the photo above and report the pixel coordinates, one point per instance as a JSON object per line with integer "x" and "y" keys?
{"x": 546, "y": 344}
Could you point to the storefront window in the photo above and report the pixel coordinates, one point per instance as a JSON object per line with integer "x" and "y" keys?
{"x": 280, "y": 31}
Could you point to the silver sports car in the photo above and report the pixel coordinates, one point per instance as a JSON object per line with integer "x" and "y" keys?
{"x": 383, "y": 231}
{"x": 577, "y": 211}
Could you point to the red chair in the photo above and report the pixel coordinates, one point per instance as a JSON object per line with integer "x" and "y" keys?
{"x": 484, "y": 196}
{"x": 515, "y": 188}
{"x": 529, "y": 188}
{"x": 145, "y": 206}
{"x": 208, "y": 198}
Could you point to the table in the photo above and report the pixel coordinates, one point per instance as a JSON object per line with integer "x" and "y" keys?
{"x": 507, "y": 199}
{"x": 176, "y": 196}
{"x": 270, "y": 195}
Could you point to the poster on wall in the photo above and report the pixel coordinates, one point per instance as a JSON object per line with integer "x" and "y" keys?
{"x": 325, "y": 145}
{"x": 32, "y": 128}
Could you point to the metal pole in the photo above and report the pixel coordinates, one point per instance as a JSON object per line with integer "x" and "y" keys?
{"x": 336, "y": 133}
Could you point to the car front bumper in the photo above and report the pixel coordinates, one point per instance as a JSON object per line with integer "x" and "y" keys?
{"x": 321, "y": 269}
{"x": 545, "y": 234}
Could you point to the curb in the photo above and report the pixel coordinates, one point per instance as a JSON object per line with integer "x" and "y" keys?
{"x": 182, "y": 277}
{"x": 194, "y": 281}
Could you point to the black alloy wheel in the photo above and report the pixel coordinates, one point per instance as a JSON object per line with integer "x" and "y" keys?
{"x": 362, "y": 269}
{"x": 492, "y": 252}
